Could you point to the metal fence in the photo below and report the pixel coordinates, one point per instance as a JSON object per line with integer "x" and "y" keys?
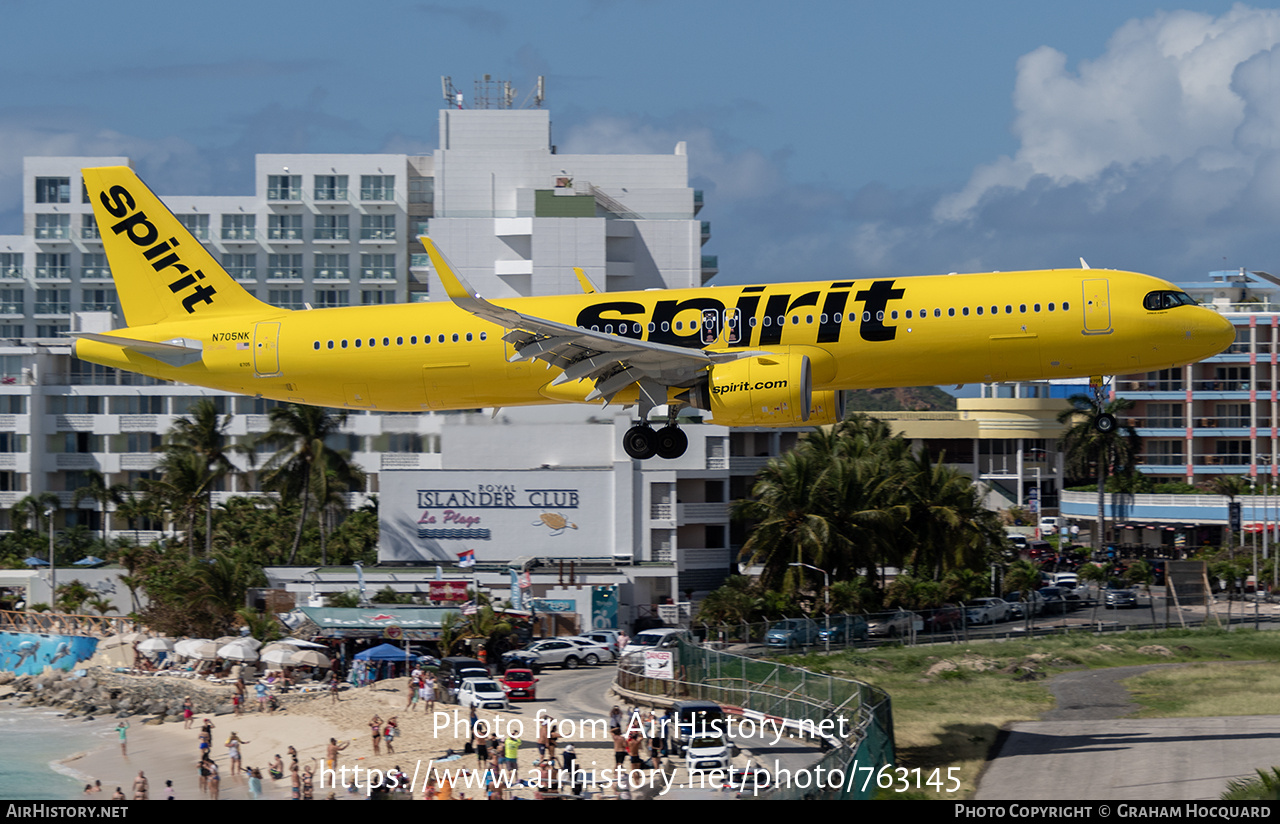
{"x": 856, "y": 715}
{"x": 837, "y": 632}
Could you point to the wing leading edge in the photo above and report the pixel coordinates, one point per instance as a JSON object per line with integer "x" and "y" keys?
{"x": 612, "y": 362}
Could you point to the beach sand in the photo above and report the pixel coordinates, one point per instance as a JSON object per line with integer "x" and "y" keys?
{"x": 170, "y": 752}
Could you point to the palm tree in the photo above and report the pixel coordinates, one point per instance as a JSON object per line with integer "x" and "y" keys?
{"x": 202, "y": 432}
{"x": 789, "y": 528}
{"x": 183, "y": 488}
{"x": 36, "y": 506}
{"x": 1093, "y": 443}
{"x": 101, "y": 493}
{"x": 299, "y": 434}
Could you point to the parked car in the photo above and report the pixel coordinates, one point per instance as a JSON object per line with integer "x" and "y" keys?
{"x": 893, "y": 624}
{"x": 842, "y": 629}
{"x": 656, "y": 638}
{"x": 606, "y": 637}
{"x": 1116, "y": 598}
{"x": 520, "y": 684}
{"x": 1020, "y": 604}
{"x": 565, "y": 652}
{"x": 453, "y": 671}
{"x": 594, "y": 651}
{"x": 482, "y": 693}
{"x": 791, "y": 632}
{"x": 987, "y": 610}
{"x": 1049, "y": 525}
{"x": 945, "y": 618}
{"x": 1059, "y": 600}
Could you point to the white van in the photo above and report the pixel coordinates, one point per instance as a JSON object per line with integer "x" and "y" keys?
{"x": 664, "y": 638}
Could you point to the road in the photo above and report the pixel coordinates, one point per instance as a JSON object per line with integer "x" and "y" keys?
{"x": 583, "y": 695}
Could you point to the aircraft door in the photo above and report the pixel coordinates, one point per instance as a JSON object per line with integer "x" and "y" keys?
{"x": 266, "y": 349}
{"x": 1097, "y": 307}
{"x": 710, "y": 326}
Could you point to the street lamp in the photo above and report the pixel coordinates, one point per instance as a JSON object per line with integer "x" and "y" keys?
{"x": 53, "y": 567}
{"x": 826, "y": 588}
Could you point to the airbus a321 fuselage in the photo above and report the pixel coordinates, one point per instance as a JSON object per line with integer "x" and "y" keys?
{"x": 768, "y": 355}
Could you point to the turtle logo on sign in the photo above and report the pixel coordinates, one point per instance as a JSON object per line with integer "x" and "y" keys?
{"x": 554, "y": 521}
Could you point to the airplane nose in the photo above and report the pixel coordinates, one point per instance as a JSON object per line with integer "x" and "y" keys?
{"x": 1215, "y": 332}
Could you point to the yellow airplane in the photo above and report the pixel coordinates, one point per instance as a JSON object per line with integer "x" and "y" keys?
{"x": 768, "y": 355}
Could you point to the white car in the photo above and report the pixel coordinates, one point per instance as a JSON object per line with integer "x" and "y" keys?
{"x": 707, "y": 752}
{"x": 987, "y": 610}
{"x": 590, "y": 646}
{"x": 1049, "y": 525}
{"x": 607, "y": 637}
{"x": 483, "y": 694}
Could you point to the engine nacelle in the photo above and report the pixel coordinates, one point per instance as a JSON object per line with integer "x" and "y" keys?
{"x": 767, "y": 390}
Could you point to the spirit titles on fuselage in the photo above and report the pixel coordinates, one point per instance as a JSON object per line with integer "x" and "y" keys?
{"x": 631, "y": 318}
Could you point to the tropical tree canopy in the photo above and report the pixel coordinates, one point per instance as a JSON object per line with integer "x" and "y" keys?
{"x": 855, "y": 498}
{"x": 1094, "y": 451}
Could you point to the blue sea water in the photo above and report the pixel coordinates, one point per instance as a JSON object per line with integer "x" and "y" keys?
{"x": 32, "y": 740}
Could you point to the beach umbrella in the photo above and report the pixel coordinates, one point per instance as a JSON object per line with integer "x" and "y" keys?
{"x": 277, "y": 656}
{"x": 201, "y": 648}
{"x": 298, "y": 642}
{"x": 237, "y": 651}
{"x": 156, "y": 645}
{"x": 309, "y": 658}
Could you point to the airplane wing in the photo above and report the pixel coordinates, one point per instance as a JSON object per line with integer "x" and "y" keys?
{"x": 613, "y": 362}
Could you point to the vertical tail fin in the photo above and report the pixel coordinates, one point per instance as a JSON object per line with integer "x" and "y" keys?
{"x": 161, "y": 272}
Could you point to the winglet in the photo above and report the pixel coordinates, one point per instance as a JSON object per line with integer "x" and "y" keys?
{"x": 455, "y": 285}
{"x": 588, "y": 287}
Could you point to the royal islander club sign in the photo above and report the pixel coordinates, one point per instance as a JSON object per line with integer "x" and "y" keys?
{"x": 436, "y": 516}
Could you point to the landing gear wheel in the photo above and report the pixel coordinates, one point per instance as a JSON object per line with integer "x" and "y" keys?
{"x": 1105, "y": 423}
{"x": 670, "y": 442}
{"x": 640, "y": 442}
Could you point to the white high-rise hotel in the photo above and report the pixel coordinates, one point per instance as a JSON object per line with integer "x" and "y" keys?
{"x": 333, "y": 230}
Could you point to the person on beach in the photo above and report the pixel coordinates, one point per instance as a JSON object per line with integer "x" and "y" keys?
{"x": 118, "y": 795}
{"x": 260, "y": 691}
{"x": 334, "y": 684}
{"x": 168, "y": 790}
{"x": 413, "y": 693}
{"x": 122, "y": 730}
{"x": 276, "y": 768}
{"x": 214, "y": 778}
{"x": 390, "y": 734}
{"x": 140, "y": 787}
{"x": 375, "y": 727}
{"x": 233, "y": 746}
{"x": 188, "y": 713}
{"x": 308, "y": 780}
{"x": 295, "y": 781}
{"x": 331, "y": 752}
{"x": 255, "y": 783}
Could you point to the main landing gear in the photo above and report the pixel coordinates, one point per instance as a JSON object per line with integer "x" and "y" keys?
{"x": 643, "y": 442}
{"x": 1104, "y": 422}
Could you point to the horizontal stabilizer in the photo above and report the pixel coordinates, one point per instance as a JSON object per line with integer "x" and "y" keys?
{"x": 175, "y": 352}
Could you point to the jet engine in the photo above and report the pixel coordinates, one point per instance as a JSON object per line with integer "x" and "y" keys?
{"x": 766, "y": 390}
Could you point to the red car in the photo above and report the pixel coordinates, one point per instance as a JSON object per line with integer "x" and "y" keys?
{"x": 520, "y": 685}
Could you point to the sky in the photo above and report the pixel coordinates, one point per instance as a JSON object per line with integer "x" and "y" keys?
{"x": 830, "y": 139}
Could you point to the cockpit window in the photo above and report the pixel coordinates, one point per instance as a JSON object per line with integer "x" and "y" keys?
{"x": 1166, "y": 300}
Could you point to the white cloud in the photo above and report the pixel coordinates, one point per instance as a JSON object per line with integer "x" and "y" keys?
{"x": 1178, "y": 86}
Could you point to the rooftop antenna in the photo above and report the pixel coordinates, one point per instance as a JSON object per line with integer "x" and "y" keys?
{"x": 452, "y": 96}
{"x": 491, "y": 93}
